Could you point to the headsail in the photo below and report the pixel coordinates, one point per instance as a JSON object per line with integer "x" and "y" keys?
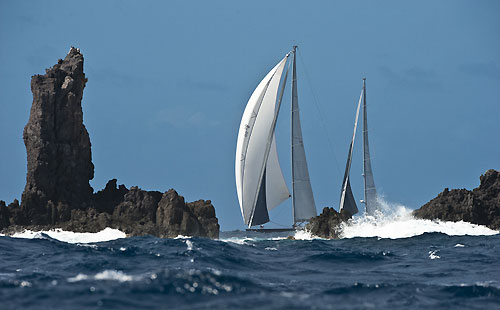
{"x": 347, "y": 200}
{"x": 276, "y": 189}
{"x": 371, "y": 203}
{"x": 254, "y": 145}
{"x": 304, "y": 206}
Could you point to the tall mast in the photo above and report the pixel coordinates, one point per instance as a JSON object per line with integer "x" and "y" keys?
{"x": 365, "y": 134}
{"x": 303, "y": 204}
{"x": 293, "y": 106}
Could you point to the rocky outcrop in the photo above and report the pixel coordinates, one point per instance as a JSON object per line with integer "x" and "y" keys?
{"x": 174, "y": 217}
{"x": 106, "y": 199}
{"x": 57, "y": 144}
{"x": 4, "y": 215}
{"x": 327, "y": 224}
{"x": 479, "y": 206}
{"x": 58, "y": 193}
{"x": 138, "y": 212}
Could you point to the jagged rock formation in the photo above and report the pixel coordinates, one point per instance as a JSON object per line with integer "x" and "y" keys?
{"x": 137, "y": 212}
{"x": 58, "y": 193}
{"x": 174, "y": 217}
{"x": 479, "y": 206}
{"x": 327, "y": 224}
{"x": 4, "y": 215}
{"x": 57, "y": 144}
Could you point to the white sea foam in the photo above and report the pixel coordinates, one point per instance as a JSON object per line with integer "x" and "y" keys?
{"x": 110, "y": 275}
{"x": 433, "y": 254}
{"x": 183, "y": 237}
{"x": 240, "y": 241}
{"x": 189, "y": 244}
{"x": 304, "y": 235}
{"x": 396, "y": 221}
{"x": 106, "y": 234}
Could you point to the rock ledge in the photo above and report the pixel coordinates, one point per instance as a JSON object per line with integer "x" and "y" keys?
{"x": 479, "y": 206}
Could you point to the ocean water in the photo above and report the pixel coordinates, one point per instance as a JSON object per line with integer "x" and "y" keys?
{"x": 392, "y": 262}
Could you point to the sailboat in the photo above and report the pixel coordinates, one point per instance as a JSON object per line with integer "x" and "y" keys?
{"x": 259, "y": 179}
{"x": 347, "y": 201}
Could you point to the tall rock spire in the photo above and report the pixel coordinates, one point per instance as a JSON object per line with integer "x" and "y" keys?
{"x": 57, "y": 144}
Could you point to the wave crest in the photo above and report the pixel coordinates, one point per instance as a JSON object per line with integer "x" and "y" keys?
{"x": 106, "y": 234}
{"x": 396, "y": 221}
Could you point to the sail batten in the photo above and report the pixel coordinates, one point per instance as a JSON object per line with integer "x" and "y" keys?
{"x": 303, "y": 203}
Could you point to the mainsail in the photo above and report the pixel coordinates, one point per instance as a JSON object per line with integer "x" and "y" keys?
{"x": 371, "y": 203}
{"x": 347, "y": 200}
{"x": 257, "y": 181}
{"x": 304, "y": 207}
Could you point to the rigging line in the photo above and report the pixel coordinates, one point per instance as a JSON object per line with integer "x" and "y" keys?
{"x": 321, "y": 120}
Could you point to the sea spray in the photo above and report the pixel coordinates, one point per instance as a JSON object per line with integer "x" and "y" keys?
{"x": 106, "y": 234}
{"x": 396, "y": 221}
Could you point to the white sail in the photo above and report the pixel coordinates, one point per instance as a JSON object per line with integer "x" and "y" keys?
{"x": 254, "y": 144}
{"x": 276, "y": 189}
{"x": 304, "y": 206}
{"x": 371, "y": 202}
{"x": 347, "y": 200}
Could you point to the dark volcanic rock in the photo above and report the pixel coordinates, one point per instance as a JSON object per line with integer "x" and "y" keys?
{"x": 327, "y": 224}
{"x": 58, "y": 193}
{"x": 479, "y": 206}
{"x": 205, "y": 213}
{"x": 174, "y": 217}
{"x": 109, "y": 197}
{"x": 136, "y": 214}
{"x": 57, "y": 145}
{"x": 4, "y": 215}
{"x": 89, "y": 220}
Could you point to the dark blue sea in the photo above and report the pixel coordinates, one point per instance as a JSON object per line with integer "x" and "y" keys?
{"x": 251, "y": 271}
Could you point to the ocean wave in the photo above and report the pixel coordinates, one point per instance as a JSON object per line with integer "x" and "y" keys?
{"x": 474, "y": 290}
{"x": 349, "y": 256}
{"x": 112, "y": 275}
{"x": 397, "y": 221}
{"x": 178, "y": 282}
{"x": 106, "y": 234}
{"x": 430, "y": 290}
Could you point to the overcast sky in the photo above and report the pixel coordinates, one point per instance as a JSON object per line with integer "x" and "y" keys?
{"x": 168, "y": 82}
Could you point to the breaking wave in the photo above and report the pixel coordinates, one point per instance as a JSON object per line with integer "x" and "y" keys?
{"x": 396, "y": 221}
{"x": 110, "y": 275}
{"x": 106, "y": 234}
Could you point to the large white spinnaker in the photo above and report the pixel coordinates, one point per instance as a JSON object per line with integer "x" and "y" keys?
{"x": 254, "y": 145}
